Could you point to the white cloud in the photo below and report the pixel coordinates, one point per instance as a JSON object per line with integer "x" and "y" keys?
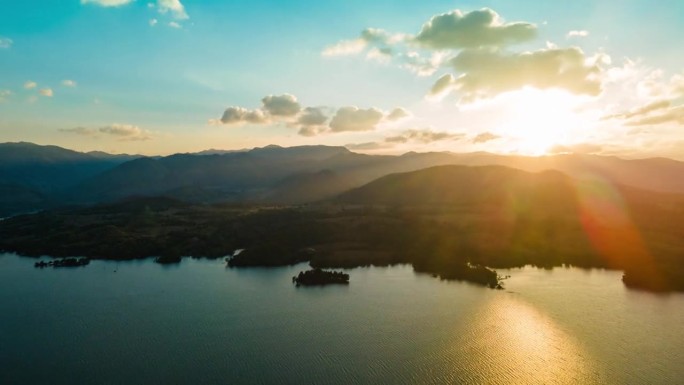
{"x": 345, "y": 48}
{"x": 29, "y": 85}
{"x": 5, "y": 42}
{"x": 107, "y": 3}
{"x": 312, "y": 121}
{"x": 421, "y": 65}
{"x": 175, "y": 7}
{"x": 580, "y": 33}
{"x": 47, "y": 92}
{"x": 312, "y": 116}
{"x": 487, "y": 73}
{"x": 354, "y": 119}
{"x": 238, "y": 115}
{"x": 281, "y": 105}
{"x": 477, "y": 45}
{"x": 481, "y": 28}
{"x": 69, "y": 83}
{"x": 379, "y": 55}
{"x": 379, "y": 39}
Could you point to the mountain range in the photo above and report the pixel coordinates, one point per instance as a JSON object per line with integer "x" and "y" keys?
{"x": 34, "y": 177}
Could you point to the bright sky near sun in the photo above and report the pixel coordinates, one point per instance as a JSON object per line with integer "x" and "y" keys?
{"x": 165, "y": 76}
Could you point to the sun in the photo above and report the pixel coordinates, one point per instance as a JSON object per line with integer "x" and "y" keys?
{"x": 540, "y": 119}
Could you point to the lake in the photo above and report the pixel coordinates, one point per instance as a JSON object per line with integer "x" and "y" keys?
{"x": 198, "y": 322}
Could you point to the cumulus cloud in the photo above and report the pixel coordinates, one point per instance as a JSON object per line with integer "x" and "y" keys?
{"x": 478, "y": 46}
{"x": 153, "y": 22}
{"x": 487, "y": 73}
{"x": 355, "y": 119}
{"x": 577, "y": 33}
{"x": 312, "y": 121}
{"x": 398, "y": 114}
{"x": 282, "y": 105}
{"x": 29, "y": 85}
{"x": 426, "y": 135}
{"x": 47, "y": 92}
{"x": 275, "y": 108}
{"x": 480, "y": 28}
{"x": 312, "y": 116}
{"x": 5, "y": 42}
{"x": 485, "y": 137}
{"x": 107, "y": 3}
{"x": 69, "y": 83}
{"x": 174, "y": 7}
{"x": 174, "y": 24}
{"x": 238, "y": 115}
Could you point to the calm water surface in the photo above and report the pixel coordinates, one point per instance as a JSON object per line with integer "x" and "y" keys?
{"x": 196, "y": 323}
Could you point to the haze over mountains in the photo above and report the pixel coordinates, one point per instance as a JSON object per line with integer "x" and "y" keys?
{"x": 34, "y": 177}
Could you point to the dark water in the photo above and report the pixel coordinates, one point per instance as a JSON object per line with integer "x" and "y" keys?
{"x": 141, "y": 323}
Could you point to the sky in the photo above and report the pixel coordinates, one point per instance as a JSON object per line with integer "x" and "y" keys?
{"x": 514, "y": 77}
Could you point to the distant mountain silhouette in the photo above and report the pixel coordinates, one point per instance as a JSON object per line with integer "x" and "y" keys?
{"x": 274, "y": 174}
{"x": 469, "y": 186}
{"x": 33, "y": 176}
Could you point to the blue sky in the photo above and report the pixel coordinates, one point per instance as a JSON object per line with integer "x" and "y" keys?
{"x": 156, "y": 76}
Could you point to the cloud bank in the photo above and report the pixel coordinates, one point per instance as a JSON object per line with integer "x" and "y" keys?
{"x": 477, "y": 47}
{"x": 310, "y": 121}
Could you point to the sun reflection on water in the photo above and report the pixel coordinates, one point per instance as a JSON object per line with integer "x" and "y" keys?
{"x": 511, "y": 342}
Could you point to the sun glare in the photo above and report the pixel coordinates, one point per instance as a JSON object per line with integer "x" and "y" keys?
{"x": 539, "y": 120}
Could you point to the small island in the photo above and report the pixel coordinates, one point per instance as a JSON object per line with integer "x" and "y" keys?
{"x": 64, "y": 262}
{"x": 319, "y": 277}
{"x": 168, "y": 259}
